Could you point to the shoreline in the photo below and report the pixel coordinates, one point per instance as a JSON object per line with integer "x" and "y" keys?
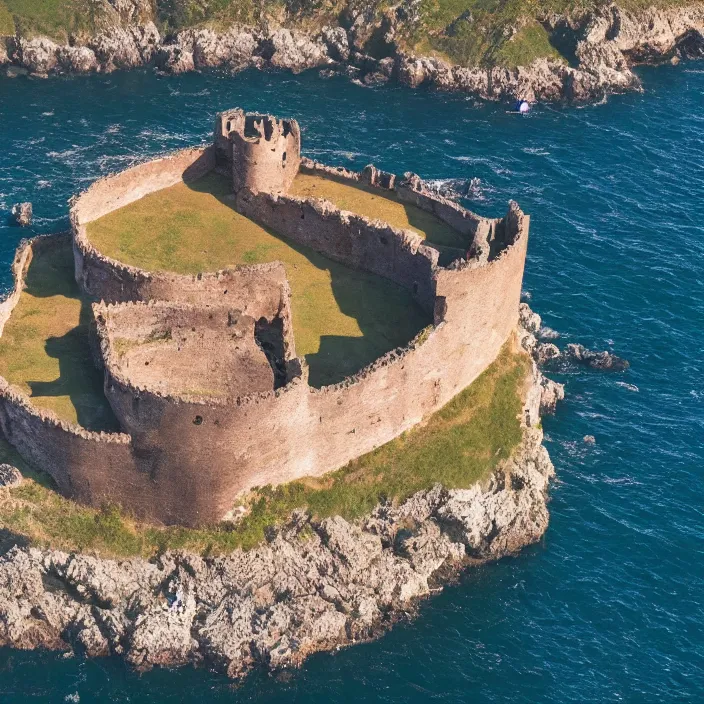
{"x": 603, "y": 45}
{"x": 312, "y": 586}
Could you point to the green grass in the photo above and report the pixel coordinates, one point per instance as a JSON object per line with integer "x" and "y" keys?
{"x": 458, "y": 446}
{"x": 7, "y": 24}
{"x": 44, "y": 347}
{"x": 343, "y": 319}
{"x": 381, "y": 205}
{"x": 53, "y": 18}
{"x": 530, "y": 43}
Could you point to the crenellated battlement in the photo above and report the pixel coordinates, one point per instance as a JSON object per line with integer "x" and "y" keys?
{"x": 262, "y": 151}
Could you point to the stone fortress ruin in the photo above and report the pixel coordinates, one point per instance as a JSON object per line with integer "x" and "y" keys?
{"x": 201, "y": 370}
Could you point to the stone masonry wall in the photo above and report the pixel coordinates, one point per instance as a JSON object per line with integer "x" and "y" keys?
{"x": 188, "y": 457}
{"x": 354, "y": 240}
{"x": 218, "y": 448}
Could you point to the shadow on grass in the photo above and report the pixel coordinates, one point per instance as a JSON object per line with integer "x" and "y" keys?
{"x": 385, "y": 313}
{"x": 51, "y": 274}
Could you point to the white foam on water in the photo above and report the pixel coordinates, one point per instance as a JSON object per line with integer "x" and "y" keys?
{"x": 630, "y": 387}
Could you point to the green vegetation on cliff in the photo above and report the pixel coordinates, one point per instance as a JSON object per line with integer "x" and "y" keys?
{"x": 466, "y": 32}
{"x": 458, "y": 446}
{"x": 7, "y": 25}
{"x": 53, "y": 18}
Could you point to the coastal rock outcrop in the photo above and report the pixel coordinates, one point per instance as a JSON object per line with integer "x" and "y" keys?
{"x": 124, "y": 48}
{"x": 22, "y": 214}
{"x": 9, "y": 475}
{"x": 596, "y": 360}
{"x": 294, "y": 50}
{"x": 313, "y": 586}
{"x": 544, "y": 352}
{"x": 603, "y": 44}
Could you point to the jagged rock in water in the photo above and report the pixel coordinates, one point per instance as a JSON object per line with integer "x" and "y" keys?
{"x": 175, "y": 58}
{"x": 120, "y": 48}
{"x": 335, "y": 39}
{"x": 596, "y": 360}
{"x": 233, "y": 49}
{"x": 551, "y": 392}
{"x": 4, "y": 51}
{"x": 9, "y": 475}
{"x": 22, "y": 214}
{"x": 545, "y": 352}
{"x": 77, "y": 59}
{"x": 38, "y": 55}
{"x": 529, "y": 320}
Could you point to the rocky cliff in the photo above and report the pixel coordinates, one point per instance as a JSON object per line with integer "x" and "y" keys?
{"x": 312, "y": 586}
{"x": 535, "y": 55}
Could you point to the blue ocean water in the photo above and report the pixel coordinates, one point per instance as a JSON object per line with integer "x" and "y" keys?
{"x": 608, "y": 607}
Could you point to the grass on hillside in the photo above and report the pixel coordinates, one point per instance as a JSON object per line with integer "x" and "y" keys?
{"x": 467, "y": 32}
{"x": 44, "y": 347}
{"x": 458, "y": 446}
{"x": 531, "y": 42}
{"x": 480, "y": 32}
{"x": 52, "y": 18}
{"x": 343, "y": 319}
{"x": 7, "y": 24}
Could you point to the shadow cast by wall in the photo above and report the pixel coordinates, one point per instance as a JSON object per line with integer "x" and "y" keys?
{"x": 51, "y": 274}
{"x": 385, "y": 313}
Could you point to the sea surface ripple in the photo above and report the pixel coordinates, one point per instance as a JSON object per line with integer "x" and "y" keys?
{"x": 608, "y": 607}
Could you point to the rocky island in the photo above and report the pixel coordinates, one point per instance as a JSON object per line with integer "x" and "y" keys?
{"x": 496, "y": 51}
{"x": 293, "y": 399}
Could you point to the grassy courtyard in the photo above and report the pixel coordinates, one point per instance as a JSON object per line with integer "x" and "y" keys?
{"x": 44, "y": 346}
{"x": 380, "y": 205}
{"x": 458, "y": 446}
{"x": 343, "y": 319}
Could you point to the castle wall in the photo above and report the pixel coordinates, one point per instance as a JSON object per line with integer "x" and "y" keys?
{"x": 223, "y": 447}
{"x": 353, "y": 240}
{"x": 260, "y": 290}
{"x": 187, "y": 457}
{"x": 121, "y": 189}
{"x": 409, "y": 190}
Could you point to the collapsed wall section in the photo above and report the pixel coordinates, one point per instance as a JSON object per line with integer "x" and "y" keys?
{"x": 182, "y": 350}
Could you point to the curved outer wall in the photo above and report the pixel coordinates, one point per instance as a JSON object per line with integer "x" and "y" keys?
{"x": 299, "y": 431}
{"x": 185, "y": 459}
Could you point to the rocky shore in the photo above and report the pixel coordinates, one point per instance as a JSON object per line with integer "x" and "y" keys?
{"x": 601, "y": 47}
{"x": 312, "y": 586}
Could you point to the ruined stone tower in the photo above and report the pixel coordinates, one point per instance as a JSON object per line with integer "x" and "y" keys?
{"x": 263, "y": 152}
